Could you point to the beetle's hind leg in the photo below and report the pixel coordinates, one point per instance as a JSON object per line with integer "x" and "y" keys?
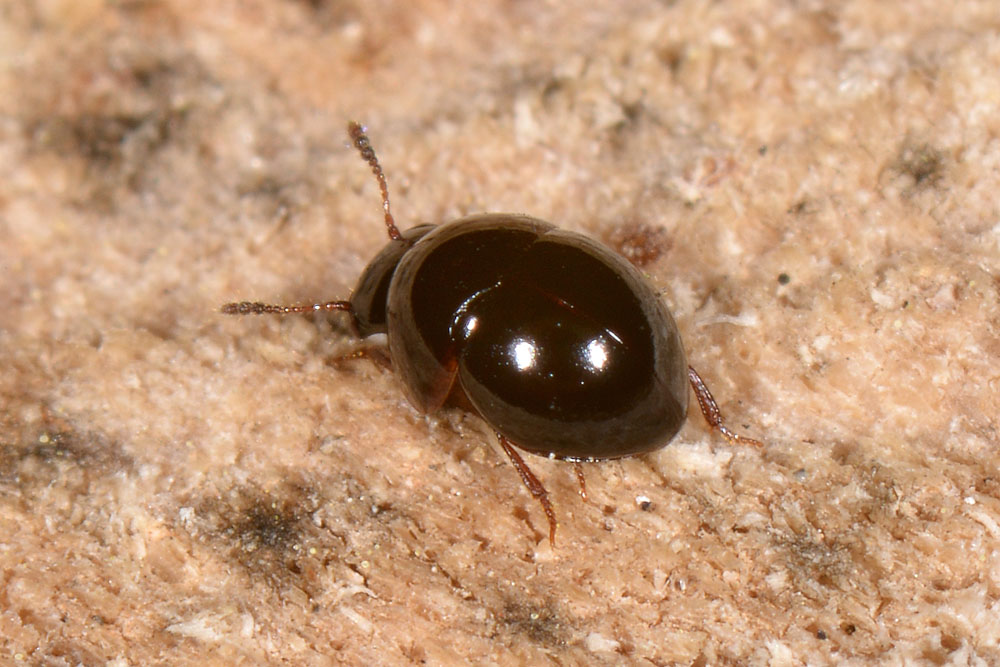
{"x": 532, "y": 483}
{"x": 713, "y": 415}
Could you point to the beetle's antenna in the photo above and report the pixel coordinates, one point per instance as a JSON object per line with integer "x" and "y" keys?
{"x": 257, "y": 308}
{"x": 360, "y": 140}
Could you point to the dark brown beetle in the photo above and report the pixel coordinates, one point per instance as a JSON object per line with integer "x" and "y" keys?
{"x": 556, "y": 341}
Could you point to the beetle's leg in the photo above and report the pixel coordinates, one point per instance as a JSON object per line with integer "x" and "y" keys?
{"x": 376, "y": 354}
{"x": 713, "y": 416}
{"x": 534, "y": 486}
{"x": 580, "y": 478}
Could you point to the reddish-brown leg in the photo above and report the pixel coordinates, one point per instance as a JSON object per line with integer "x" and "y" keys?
{"x": 580, "y": 478}
{"x": 534, "y": 486}
{"x": 378, "y": 355}
{"x": 713, "y": 416}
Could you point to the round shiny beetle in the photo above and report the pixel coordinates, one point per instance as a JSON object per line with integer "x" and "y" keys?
{"x": 556, "y": 341}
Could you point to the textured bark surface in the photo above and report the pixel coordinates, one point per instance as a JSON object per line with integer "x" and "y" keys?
{"x": 814, "y": 189}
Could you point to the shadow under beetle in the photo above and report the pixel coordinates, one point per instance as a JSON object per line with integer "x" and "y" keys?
{"x": 556, "y": 341}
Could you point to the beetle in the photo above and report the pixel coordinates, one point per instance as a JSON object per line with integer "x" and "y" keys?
{"x": 557, "y": 342}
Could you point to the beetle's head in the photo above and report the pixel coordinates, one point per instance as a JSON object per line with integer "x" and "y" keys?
{"x": 370, "y": 297}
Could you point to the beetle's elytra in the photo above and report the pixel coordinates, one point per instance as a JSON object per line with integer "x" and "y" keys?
{"x": 556, "y": 341}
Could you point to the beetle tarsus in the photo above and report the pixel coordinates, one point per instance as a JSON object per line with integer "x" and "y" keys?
{"x": 713, "y": 415}
{"x": 378, "y": 355}
{"x": 581, "y": 479}
{"x": 532, "y": 483}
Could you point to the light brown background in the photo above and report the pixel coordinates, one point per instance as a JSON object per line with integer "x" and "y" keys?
{"x": 180, "y": 486}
